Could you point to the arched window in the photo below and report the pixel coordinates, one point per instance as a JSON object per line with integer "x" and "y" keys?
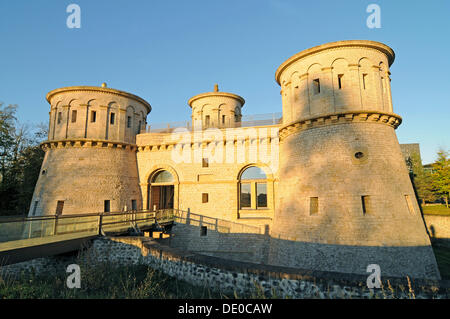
{"x": 253, "y": 188}
{"x": 162, "y": 177}
{"x": 161, "y": 191}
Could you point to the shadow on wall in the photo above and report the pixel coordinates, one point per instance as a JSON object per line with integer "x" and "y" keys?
{"x": 219, "y": 238}
{"x": 345, "y": 199}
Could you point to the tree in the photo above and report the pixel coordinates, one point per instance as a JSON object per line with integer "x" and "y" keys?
{"x": 441, "y": 175}
{"x": 21, "y": 159}
{"x": 421, "y": 179}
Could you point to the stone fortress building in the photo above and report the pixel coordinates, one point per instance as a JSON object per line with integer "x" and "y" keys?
{"x": 325, "y": 187}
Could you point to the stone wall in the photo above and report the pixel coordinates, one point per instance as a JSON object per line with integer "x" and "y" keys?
{"x": 438, "y": 226}
{"x": 240, "y": 277}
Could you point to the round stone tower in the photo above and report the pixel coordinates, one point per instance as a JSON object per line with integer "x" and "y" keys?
{"x": 345, "y": 197}
{"x": 90, "y": 155}
{"x": 216, "y": 109}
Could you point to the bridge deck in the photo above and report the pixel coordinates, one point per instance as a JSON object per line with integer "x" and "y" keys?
{"x": 29, "y": 238}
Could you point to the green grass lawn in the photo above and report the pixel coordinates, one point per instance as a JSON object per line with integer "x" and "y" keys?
{"x": 436, "y": 210}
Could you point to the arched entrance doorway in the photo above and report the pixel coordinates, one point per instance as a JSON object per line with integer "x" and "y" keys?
{"x": 161, "y": 190}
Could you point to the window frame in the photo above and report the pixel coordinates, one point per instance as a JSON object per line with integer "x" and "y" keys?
{"x": 253, "y": 190}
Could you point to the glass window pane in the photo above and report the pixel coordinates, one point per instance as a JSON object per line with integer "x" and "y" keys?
{"x": 253, "y": 172}
{"x": 162, "y": 177}
{"x": 246, "y": 195}
{"x": 261, "y": 193}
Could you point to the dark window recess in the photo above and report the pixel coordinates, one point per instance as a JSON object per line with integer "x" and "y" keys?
{"x": 245, "y": 195}
{"x": 59, "y": 117}
{"x": 313, "y": 206}
{"x": 35, "y": 207}
{"x": 364, "y": 81}
{"x": 359, "y": 155}
{"x": 204, "y": 197}
{"x": 365, "y": 204}
{"x": 261, "y": 195}
{"x": 316, "y": 84}
{"x": 59, "y": 207}
{"x": 133, "y": 204}
{"x": 112, "y": 118}
{"x": 74, "y": 116}
{"x": 93, "y": 116}
{"x": 205, "y": 162}
{"x": 340, "y": 76}
{"x": 203, "y": 230}
{"x": 107, "y": 205}
{"x": 129, "y": 121}
{"x": 223, "y": 119}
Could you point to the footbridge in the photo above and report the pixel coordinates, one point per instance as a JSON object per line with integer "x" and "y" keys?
{"x": 28, "y": 238}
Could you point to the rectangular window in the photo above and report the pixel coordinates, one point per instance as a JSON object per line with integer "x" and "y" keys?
{"x": 261, "y": 195}
{"x": 313, "y": 206}
{"x": 223, "y": 119}
{"x": 409, "y": 204}
{"x": 203, "y": 230}
{"x": 129, "y": 121}
{"x": 204, "y": 197}
{"x": 340, "y": 76}
{"x": 107, "y": 206}
{"x": 246, "y": 200}
{"x": 35, "y": 207}
{"x": 133, "y": 204}
{"x": 74, "y": 116}
{"x": 59, "y": 207}
{"x": 93, "y": 116}
{"x": 59, "y": 117}
{"x": 207, "y": 120}
{"x": 112, "y": 118}
{"x": 138, "y": 130}
{"x": 365, "y": 204}
{"x": 316, "y": 85}
{"x": 364, "y": 81}
{"x": 205, "y": 162}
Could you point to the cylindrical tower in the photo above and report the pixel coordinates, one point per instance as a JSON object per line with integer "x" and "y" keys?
{"x": 216, "y": 109}
{"x": 345, "y": 197}
{"x": 90, "y": 155}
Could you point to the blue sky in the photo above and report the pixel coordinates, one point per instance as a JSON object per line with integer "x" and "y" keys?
{"x": 168, "y": 51}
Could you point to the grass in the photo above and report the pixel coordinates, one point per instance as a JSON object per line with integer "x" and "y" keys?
{"x": 436, "y": 210}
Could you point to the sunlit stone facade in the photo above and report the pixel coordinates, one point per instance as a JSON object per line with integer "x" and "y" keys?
{"x": 326, "y": 186}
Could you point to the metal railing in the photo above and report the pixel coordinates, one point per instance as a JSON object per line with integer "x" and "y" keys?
{"x": 85, "y": 225}
{"x": 264, "y": 119}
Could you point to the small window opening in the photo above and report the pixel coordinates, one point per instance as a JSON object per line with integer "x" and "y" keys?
{"x": 364, "y": 80}
{"x": 203, "y": 230}
{"x": 204, "y": 197}
{"x": 205, "y": 162}
{"x": 409, "y": 204}
{"x": 359, "y": 155}
{"x": 133, "y": 204}
{"x": 129, "y": 121}
{"x": 59, "y": 117}
{"x": 316, "y": 84}
{"x": 365, "y": 204}
{"x": 223, "y": 119}
{"x": 59, "y": 207}
{"x": 313, "y": 206}
{"x": 74, "y": 116}
{"x": 340, "y": 81}
{"x": 93, "y": 116}
{"x": 207, "y": 120}
{"x": 107, "y": 206}
{"x": 112, "y": 118}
